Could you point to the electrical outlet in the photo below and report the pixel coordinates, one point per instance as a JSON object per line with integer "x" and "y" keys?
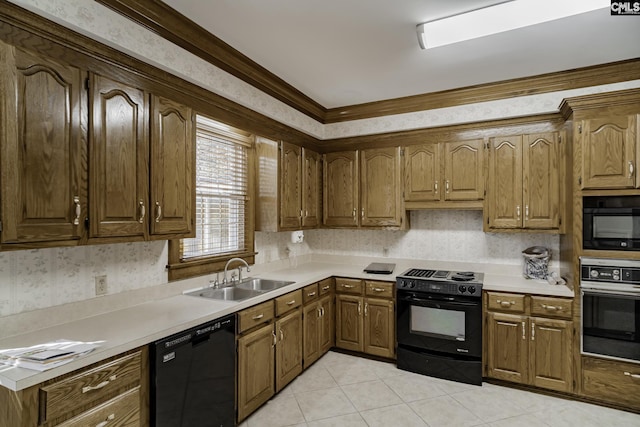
{"x": 101, "y": 285}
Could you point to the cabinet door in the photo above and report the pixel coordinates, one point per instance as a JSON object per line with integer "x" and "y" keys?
{"x": 326, "y": 327}
{"x": 311, "y": 314}
{"x": 172, "y": 168}
{"x": 541, "y": 189}
{"x": 290, "y": 187}
{"x": 380, "y": 184}
{"x": 340, "y": 196}
{"x": 550, "y": 354}
{"x": 42, "y": 144}
{"x": 608, "y": 152}
{"x": 379, "y": 327}
{"x": 289, "y": 348}
{"x": 256, "y": 369}
{"x": 118, "y": 164}
{"x": 507, "y": 347}
{"x": 464, "y": 170}
{"x": 311, "y": 188}
{"x": 505, "y": 182}
{"x": 349, "y": 323}
{"x": 422, "y": 173}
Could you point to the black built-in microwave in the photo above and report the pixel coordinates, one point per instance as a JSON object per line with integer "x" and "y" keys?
{"x": 611, "y": 223}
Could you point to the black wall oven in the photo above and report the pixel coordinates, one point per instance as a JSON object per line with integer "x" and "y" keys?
{"x": 610, "y": 301}
{"x": 439, "y": 324}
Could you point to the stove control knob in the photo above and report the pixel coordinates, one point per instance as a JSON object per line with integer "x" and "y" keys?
{"x": 412, "y": 284}
{"x": 472, "y": 289}
{"x": 594, "y": 273}
{"x": 462, "y": 289}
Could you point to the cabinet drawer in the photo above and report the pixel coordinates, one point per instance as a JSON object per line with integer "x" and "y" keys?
{"x": 310, "y": 293}
{"x": 256, "y": 315}
{"x": 121, "y": 411}
{"x": 349, "y": 286}
{"x": 513, "y": 303}
{"x": 612, "y": 381}
{"x": 325, "y": 286}
{"x": 379, "y": 289}
{"x": 90, "y": 387}
{"x": 551, "y": 307}
{"x": 288, "y": 302}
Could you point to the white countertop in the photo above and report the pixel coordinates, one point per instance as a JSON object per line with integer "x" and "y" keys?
{"x": 124, "y": 329}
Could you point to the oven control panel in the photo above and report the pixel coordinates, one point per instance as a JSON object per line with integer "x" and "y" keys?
{"x": 598, "y": 273}
{"x": 439, "y": 287}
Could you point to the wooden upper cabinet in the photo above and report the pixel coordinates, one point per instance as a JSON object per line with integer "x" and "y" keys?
{"x": 381, "y": 187}
{"x": 450, "y": 172}
{"x": 42, "y": 144}
{"x": 422, "y": 173}
{"x": 118, "y": 190}
{"x": 311, "y": 188}
{"x": 464, "y": 170}
{"x": 290, "y": 186}
{"x": 340, "y": 195}
{"x": 172, "y": 169}
{"x": 609, "y": 149}
{"x": 524, "y": 182}
{"x": 541, "y": 185}
{"x": 505, "y": 182}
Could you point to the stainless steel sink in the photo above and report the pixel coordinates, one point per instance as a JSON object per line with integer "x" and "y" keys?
{"x": 230, "y": 293}
{"x": 262, "y": 285}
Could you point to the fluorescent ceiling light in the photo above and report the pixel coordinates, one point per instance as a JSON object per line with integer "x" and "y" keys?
{"x": 502, "y": 17}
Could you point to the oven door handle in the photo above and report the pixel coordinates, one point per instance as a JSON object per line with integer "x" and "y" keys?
{"x": 599, "y": 291}
{"x": 430, "y": 301}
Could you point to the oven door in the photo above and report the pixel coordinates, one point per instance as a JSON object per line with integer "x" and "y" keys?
{"x": 611, "y": 323}
{"x": 440, "y": 323}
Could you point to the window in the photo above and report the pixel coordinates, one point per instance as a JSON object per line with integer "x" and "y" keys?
{"x": 223, "y": 206}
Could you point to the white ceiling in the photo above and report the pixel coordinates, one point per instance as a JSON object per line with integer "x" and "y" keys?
{"x": 347, "y": 52}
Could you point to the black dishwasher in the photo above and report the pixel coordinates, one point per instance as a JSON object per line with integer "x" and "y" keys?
{"x": 193, "y": 376}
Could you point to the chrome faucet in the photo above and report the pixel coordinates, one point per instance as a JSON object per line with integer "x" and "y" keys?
{"x": 224, "y": 279}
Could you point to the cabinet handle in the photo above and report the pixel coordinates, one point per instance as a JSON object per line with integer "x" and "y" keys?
{"x": 552, "y": 307}
{"x": 629, "y": 374}
{"x": 281, "y": 335}
{"x": 518, "y": 212}
{"x": 103, "y": 384}
{"x": 446, "y": 186}
{"x": 526, "y": 212}
{"x": 631, "y": 169}
{"x": 143, "y": 211}
{"x": 158, "y": 211}
{"x": 326, "y": 288}
{"x": 506, "y": 303}
{"x": 362, "y": 213}
{"x": 322, "y": 308}
{"x": 377, "y": 289}
{"x": 291, "y": 302}
{"x": 524, "y": 331}
{"x": 76, "y": 201}
{"x": 306, "y": 213}
{"x": 533, "y": 331}
{"x": 366, "y": 308}
{"x": 258, "y": 317}
{"x": 435, "y": 187}
{"x": 275, "y": 339}
{"x": 354, "y": 212}
{"x": 359, "y": 309}
{"x": 301, "y": 213}
{"x": 319, "y": 312}
{"x": 311, "y": 294}
{"x": 110, "y": 418}
{"x": 347, "y": 286}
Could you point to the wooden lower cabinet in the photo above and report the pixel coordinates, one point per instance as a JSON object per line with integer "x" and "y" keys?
{"x": 528, "y": 349}
{"x": 365, "y": 324}
{"x": 318, "y": 329}
{"x": 611, "y": 381}
{"x": 256, "y": 369}
{"x": 326, "y": 327}
{"x": 288, "y": 348}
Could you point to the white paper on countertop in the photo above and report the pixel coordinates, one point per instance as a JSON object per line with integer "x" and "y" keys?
{"x": 42, "y": 357}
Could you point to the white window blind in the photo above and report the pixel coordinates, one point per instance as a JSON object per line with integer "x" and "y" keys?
{"x": 221, "y": 191}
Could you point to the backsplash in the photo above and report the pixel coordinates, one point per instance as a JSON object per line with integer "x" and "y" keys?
{"x": 36, "y": 279}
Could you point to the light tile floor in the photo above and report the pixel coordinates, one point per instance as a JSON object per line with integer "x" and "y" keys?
{"x": 347, "y": 391}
